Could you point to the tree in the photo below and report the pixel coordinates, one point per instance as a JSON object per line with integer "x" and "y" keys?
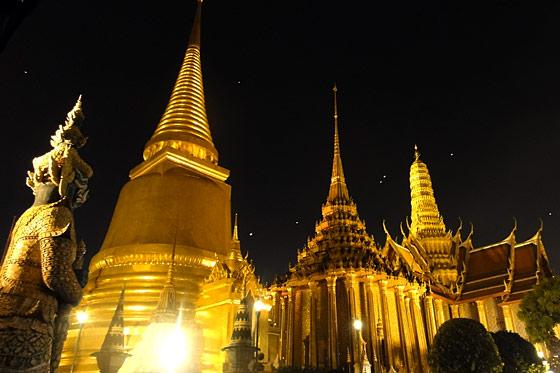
{"x": 518, "y": 355}
{"x": 464, "y": 346}
{"x": 540, "y": 311}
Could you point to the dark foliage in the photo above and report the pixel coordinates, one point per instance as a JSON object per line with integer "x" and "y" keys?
{"x": 518, "y": 355}
{"x": 540, "y": 310}
{"x": 464, "y": 346}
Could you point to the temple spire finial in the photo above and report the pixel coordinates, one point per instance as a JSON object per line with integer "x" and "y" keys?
{"x": 336, "y": 138}
{"x": 194, "y": 40}
{"x": 416, "y": 153}
{"x": 338, "y": 189}
{"x": 235, "y": 232}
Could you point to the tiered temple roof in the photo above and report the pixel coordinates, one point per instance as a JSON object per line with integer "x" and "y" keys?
{"x": 451, "y": 265}
{"x": 341, "y": 240}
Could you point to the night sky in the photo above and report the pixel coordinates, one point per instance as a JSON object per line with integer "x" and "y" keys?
{"x": 475, "y": 86}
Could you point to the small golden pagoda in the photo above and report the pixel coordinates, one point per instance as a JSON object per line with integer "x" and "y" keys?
{"x": 177, "y": 194}
{"x": 231, "y": 282}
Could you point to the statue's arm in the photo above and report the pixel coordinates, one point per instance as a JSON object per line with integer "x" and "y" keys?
{"x": 58, "y": 274}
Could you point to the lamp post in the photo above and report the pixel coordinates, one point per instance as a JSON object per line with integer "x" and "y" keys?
{"x": 126, "y": 332}
{"x": 363, "y": 365}
{"x": 358, "y": 327}
{"x": 82, "y": 317}
{"x": 259, "y": 306}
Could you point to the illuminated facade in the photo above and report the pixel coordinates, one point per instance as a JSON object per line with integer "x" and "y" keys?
{"x": 175, "y": 212}
{"x": 400, "y": 292}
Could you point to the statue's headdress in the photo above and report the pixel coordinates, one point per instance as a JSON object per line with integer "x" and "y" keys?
{"x": 70, "y": 132}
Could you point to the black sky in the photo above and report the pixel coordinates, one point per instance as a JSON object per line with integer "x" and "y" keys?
{"x": 479, "y": 81}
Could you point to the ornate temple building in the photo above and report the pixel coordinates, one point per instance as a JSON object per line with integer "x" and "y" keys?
{"x": 349, "y": 301}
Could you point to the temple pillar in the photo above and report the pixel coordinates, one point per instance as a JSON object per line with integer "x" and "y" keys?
{"x": 419, "y": 327}
{"x": 386, "y": 323}
{"x": 455, "y": 311}
{"x": 298, "y": 328}
{"x": 413, "y": 344}
{"x": 313, "y": 323}
{"x": 283, "y": 327}
{"x": 373, "y": 345}
{"x": 482, "y": 313}
{"x": 290, "y": 329}
{"x": 404, "y": 328}
{"x": 508, "y": 317}
{"x": 430, "y": 317}
{"x": 332, "y": 317}
{"x": 352, "y": 288}
{"x": 441, "y": 315}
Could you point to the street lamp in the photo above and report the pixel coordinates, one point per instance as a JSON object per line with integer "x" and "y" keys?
{"x": 363, "y": 364}
{"x": 82, "y": 317}
{"x": 126, "y": 332}
{"x": 259, "y": 306}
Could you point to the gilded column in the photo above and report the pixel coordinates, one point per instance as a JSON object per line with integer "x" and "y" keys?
{"x": 430, "y": 317}
{"x": 419, "y": 326}
{"x": 508, "y": 318}
{"x": 333, "y": 327}
{"x": 372, "y": 341}
{"x": 482, "y": 313}
{"x": 313, "y": 322}
{"x": 441, "y": 315}
{"x": 404, "y": 328}
{"x": 387, "y": 327}
{"x": 355, "y": 314}
{"x": 412, "y": 343}
{"x": 283, "y": 327}
{"x": 290, "y": 329}
{"x": 298, "y": 328}
{"x": 455, "y": 311}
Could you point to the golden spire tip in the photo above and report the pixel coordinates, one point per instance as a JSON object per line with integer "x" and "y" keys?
{"x": 416, "y": 153}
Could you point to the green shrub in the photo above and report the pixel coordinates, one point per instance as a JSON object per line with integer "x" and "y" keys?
{"x": 464, "y": 346}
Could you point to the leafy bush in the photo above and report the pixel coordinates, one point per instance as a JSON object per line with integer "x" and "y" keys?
{"x": 518, "y": 355}
{"x": 464, "y": 346}
{"x": 540, "y": 310}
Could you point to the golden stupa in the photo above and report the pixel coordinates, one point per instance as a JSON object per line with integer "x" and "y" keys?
{"x": 176, "y": 196}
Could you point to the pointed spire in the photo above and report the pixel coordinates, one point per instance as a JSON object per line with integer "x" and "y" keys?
{"x": 114, "y": 339}
{"x": 338, "y": 189}
{"x": 426, "y": 219}
{"x": 112, "y": 356}
{"x": 241, "y": 334}
{"x": 166, "y": 310}
{"x": 235, "y": 234}
{"x": 184, "y": 125}
{"x": 234, "y": 258}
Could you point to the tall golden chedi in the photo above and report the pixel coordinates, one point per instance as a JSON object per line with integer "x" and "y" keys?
{"x": 178, "y": 193}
